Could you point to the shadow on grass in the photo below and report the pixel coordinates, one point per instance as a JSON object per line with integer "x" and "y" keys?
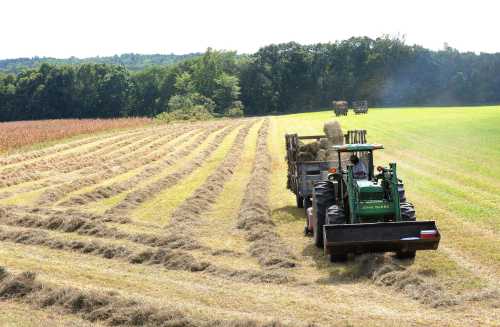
{"x": 355, "y": 269}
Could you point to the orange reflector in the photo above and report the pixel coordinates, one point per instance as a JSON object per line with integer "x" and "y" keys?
{"x": 431, "y": 233}
{"x": 332, "y": 170}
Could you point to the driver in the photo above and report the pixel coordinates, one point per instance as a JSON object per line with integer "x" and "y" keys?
{"x": 359, "y": 170}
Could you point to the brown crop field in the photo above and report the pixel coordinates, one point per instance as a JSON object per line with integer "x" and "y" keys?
{"x": 190, "y": 224}
{"x": 14, "y": 135}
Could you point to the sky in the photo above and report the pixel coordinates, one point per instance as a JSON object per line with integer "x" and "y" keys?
{"x": 85, "y": 28}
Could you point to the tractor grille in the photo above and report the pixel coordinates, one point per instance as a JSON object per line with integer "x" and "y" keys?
{"x": 370, "y": 196}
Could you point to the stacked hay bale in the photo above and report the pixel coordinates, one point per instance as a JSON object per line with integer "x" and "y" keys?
{"x": 320, "y": 150}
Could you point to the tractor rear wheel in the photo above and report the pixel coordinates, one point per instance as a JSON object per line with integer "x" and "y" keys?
{"x": 407, "y": 211}
{"x": 323, "y": 198}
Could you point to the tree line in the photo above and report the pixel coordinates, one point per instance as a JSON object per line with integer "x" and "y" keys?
{"x": 278, "y": 78}
{"x": 131, "y": 61}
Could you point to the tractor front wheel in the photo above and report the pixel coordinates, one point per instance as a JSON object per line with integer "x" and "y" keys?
{"x": 407, "y": 211}
{"x": 335, "y": 215}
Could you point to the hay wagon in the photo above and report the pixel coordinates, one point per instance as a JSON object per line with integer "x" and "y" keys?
{"x": 303, "y": 174}
{"x": 360, "y": 107}
{"x": 340, "y": 108}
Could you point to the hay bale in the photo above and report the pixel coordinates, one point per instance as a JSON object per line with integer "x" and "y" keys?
{"x": 305, "y": 156}
{"x": 331, "y": 155}
{"x": 324, "y": 144}
{"x": 311, "y": 148}
{"x": 333, "y": 132}
{"x": 321, "y": 155}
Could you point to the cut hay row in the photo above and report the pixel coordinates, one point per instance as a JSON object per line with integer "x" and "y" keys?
{"x": 190, "y": 212}
{"x": 47, "y": 162}
{"x": 89, "y": 163}
{"x": 58, "y": 184}
{"x": 138, "y": 196}
{"x": 122, "y": 162}
{"x": 105, "y": 192}
{"x": 33, "y": 171}
{"x": 82, "y": 223}
{"x": 170, "y": 259}
{"x": 17, "y": 158}
{"x": 255, "y": 214}
{"x": 113, "y": 160}
{"x": 388, "y": 272}
{"x": 104, "y": 307}
{"x": 382, "y": 270}
{"x": 31, "y": 155}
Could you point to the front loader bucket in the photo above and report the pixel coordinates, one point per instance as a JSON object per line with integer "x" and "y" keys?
{"x": 381, "y": 237}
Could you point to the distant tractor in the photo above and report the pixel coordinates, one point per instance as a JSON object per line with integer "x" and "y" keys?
{"x": 360, "y": 107}
{"x": 352, "y": 214}
{"x": 340, "y": 108}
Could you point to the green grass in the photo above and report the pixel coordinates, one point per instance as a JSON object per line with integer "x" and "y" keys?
{"x": 449, "y": 159}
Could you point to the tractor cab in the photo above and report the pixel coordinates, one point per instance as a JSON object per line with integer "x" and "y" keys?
{"x": 365, "y": 196}
{"x": 364, "y": 153}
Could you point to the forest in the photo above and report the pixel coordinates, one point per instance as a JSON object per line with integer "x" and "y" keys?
{"x": 279, "y": 78}
{"x": 132, "y": 61}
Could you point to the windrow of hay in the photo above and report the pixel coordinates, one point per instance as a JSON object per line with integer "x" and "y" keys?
{"x": 124, "y": 149}
{"x": 387, "y": 271}
{"x": 106, "y": 307}
{"x": 68, "y": 221}
{"x": 169, "y": 258}
{"x": 37, "y": 237}
{"x": 106, "y": 168}
{"x": 83, "y": 223}
{"x": 104, "y": 192}
{"x": 255, "y": 214}
{"x": 52, "y": 162}
{"x": 33, "y": 171}
{"x": 25, "y": 156}
{"x": 137, "y": 197}
{"x": 189, "y": 213}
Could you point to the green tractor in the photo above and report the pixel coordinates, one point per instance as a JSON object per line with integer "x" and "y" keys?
{"x": 358, "y": 210}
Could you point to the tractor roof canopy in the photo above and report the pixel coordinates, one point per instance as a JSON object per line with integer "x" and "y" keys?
{"x": 357, "y": 147}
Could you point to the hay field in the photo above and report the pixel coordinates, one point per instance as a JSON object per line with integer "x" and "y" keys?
{"x": 192, "y": 225}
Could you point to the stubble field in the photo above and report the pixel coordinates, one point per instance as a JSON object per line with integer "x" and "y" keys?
{"x": 192, "y": 225}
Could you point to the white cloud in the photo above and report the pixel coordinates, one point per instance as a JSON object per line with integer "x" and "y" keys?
{"x": 107, "y": 27}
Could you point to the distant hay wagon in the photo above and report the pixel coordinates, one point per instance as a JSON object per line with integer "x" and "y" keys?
{"x": 360, "y": 107}
{"x": 340, "y": 108}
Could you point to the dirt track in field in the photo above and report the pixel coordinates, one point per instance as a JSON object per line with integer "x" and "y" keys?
{"x": 268, "y": 280}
